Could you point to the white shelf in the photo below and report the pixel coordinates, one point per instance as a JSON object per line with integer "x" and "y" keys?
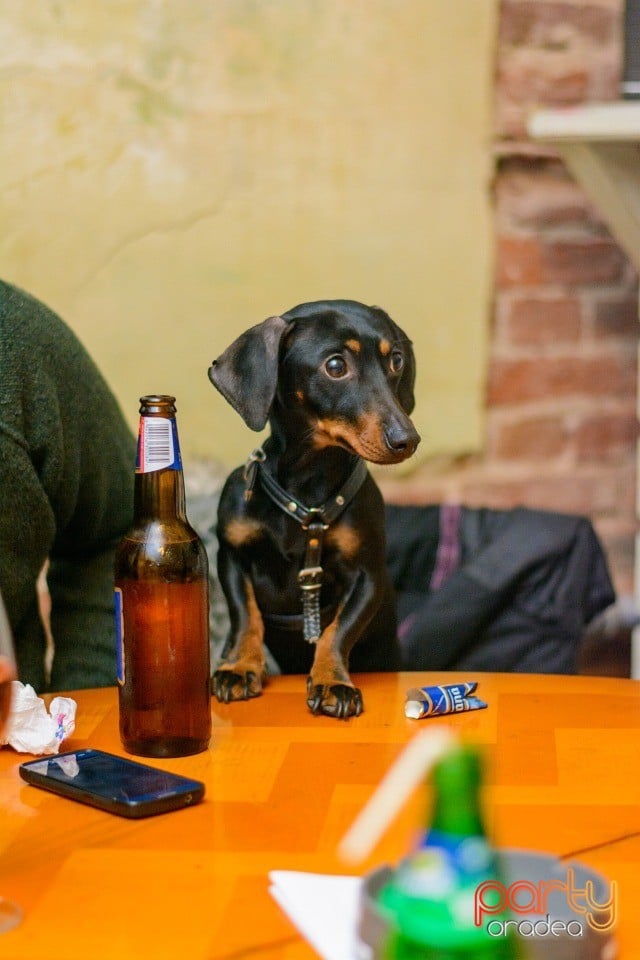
{"x": 600, "y": 144}
{"x": 600, "y": 122}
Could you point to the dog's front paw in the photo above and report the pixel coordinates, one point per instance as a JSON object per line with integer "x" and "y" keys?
{"x": 232, "y": 683}
{"x": 340, "y": 700}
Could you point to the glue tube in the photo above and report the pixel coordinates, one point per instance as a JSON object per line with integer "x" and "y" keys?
{"x": 438, "y": 700}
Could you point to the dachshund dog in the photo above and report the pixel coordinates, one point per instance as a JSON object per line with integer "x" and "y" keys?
{"x": 301, "y": 527}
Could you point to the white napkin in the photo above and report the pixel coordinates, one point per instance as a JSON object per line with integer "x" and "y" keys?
{"x": 324, "y": 908}
{"x": 30, "y": 729}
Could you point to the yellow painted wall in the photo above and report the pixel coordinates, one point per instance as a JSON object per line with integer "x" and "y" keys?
{"x": 173, "y": 172}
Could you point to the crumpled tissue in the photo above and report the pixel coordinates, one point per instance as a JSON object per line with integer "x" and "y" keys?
{"x": 30, "y": 728}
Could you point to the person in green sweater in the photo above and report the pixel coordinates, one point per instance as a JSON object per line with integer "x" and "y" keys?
{"x": 66, "y": 494}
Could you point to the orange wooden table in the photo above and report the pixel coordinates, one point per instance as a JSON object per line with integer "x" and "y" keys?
{"x": 282, "y": 788}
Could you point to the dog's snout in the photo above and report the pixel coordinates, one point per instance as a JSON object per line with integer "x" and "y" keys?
{"x": 402, "y": 440}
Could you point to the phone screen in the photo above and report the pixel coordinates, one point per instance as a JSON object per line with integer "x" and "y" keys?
{"x": 113, "y": 783}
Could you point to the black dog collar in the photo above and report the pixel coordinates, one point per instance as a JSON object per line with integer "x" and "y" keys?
{"x": 314, "y": 520}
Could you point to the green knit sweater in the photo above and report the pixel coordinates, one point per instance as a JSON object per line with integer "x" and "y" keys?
{"x": 66, "y": 492}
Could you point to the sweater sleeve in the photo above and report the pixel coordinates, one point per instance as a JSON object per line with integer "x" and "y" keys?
{"x": 66, "y": 493}
{"x": 27, "y": 531}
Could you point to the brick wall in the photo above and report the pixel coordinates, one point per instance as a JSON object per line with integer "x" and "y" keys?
{"x": 561, "y": 391}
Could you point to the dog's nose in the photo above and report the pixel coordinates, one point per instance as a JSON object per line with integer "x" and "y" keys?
{"x": 402, "y": 439}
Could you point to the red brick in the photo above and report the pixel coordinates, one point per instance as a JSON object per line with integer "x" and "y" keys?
{"x": 522, "y": 380}
{"x": 617, "y": 318}
{"x": 534, "y": 438}
{"x": 538, "y": 195}
{"x": 606, "y": 436}
{"x": 510, "y": 121}
{"x": 600, "y": 493}
{"x": 540, "y": 77}
{"x": 416, "y": 492}
{"x": 582, "y": 262}
{"x": 519, "y": 261}
{"x": 535, "y": 321}
{"x": 604, "y": 82}
{"x": 555, "y": 25}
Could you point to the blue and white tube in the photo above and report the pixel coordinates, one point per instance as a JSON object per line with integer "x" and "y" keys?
{"x": 438, "y": 700}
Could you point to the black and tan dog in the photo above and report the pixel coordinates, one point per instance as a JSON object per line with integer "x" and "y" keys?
{"x": 301, "y": 526}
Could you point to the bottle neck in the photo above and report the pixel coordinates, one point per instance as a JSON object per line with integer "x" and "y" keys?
{"x": 457, "y": 794}
{"x": 457, "y": 815}
{"x": 159, "y": 481}
{"x": 159, "y": 495}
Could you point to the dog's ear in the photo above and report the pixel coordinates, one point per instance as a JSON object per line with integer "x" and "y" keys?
{"x": 246, "y": 374}
{"x": 408, "y": 378}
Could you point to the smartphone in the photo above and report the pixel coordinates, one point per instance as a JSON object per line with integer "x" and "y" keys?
{"x": 112, "y": 783}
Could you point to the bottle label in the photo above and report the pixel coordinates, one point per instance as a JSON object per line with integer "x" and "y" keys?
{"x": 158, "y": 447}
{"x": 471, "y": 857}
{"x": 117, "y": 602}
{"x": 445, "y": 863}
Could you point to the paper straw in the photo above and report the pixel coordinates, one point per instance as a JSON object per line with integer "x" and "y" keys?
{"x": 410, "y": 768}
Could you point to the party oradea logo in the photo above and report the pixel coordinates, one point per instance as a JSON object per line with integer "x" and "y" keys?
{"x": 524, "y": 900}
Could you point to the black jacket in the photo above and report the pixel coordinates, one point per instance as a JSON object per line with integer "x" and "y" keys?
{"x": 499, "y": 590}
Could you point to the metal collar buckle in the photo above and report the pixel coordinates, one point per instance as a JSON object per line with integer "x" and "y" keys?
{"x": 315, "y": 519}
{"x": 310, "y": 578}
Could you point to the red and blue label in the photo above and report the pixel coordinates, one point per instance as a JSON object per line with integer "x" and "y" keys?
{"x": 158, "y": 447}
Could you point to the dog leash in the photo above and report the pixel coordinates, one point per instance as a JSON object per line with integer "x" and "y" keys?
{"x": 314, "y": 521}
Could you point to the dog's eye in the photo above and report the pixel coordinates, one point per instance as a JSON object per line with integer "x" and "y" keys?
{"x": 336, "y": 366}
{"x": 396, "y": 361}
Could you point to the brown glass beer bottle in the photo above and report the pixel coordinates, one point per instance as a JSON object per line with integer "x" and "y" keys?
{"x": 162, "y": 603}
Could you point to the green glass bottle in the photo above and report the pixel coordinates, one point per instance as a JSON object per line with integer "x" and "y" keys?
{"x": 430, "y": 900}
